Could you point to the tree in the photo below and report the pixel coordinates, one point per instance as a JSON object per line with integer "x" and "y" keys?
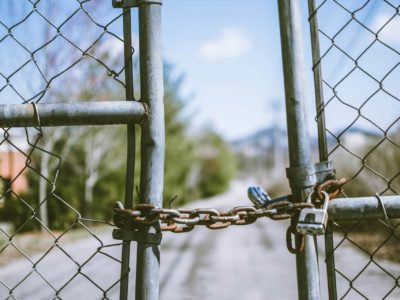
{"x": 179, "y": 148}
{"x": 217, "y": 164}
{"x": 49, "y": 45}
{"x": 72, "y": 166}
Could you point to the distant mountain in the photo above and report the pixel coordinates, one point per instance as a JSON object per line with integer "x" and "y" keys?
{"x": 260, "y": 142}
{"x": 275, "y": 139}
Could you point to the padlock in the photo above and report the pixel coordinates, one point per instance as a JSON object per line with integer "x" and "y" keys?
{"x": 261, "y": 199}
{"x": 313, "y": 220}
{"x": 258, "y": 196}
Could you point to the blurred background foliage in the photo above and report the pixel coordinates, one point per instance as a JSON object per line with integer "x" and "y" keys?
{"x": 217, "y": 164}
{"x": 91, "y": 176}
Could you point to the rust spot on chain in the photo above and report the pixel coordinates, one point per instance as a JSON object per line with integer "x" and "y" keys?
{"x": 249, "y": 220}
{"x": 282, "y": 210}
{"x": 299, "y": 240}
{"x": 332, "y": 187}
{"x": 144, "y": 206}
{"x": 182, "y": 229}
{"x": 219, "y": 225}
{"x": 169, "y": 227}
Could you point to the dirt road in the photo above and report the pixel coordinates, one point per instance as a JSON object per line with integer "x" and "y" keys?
{"x": 244, "y": 262}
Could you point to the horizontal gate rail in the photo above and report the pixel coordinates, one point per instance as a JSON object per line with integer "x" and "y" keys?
{"x": 364, "y": 208}
{"x": 80, "y": 113}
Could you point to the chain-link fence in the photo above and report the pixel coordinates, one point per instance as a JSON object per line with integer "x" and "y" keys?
{"x": 358, "y": 68}
{"x": 53, "y": 179}
{"x": 58, "y": 184}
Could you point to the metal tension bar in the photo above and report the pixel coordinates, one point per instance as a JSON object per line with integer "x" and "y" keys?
{"x": 137, "y": 236}
{"x": 132, "y": 3}
{"x": 79, "y": 113}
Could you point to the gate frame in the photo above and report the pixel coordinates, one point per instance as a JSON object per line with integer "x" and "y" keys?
{"x": 322, "y": 140}
{"x": 301, "y": 179}
{"x": 152, "y": 143}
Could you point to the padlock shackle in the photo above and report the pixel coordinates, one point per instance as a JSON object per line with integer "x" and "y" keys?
{"x": 325, "y": 199}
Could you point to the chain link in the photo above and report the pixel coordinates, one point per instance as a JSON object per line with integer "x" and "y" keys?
{"x": 333, "y": 187}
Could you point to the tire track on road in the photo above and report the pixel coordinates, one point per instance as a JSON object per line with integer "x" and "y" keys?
{"x": 202, "y": 253}
{"x": 264, "y": 238}
{"x": 173, "y": 267}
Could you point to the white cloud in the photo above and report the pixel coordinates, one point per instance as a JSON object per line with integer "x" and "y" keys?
{"x": 232, "y": 43}
{"x": 115, "y": 47}
{"x": 390, "y": 31}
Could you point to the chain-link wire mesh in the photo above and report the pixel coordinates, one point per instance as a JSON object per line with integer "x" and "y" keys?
{"x": 55, "y": 205}
{"x": 360, "y": 64}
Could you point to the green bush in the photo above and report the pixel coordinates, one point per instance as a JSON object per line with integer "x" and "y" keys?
{"x": 217, "y": 164}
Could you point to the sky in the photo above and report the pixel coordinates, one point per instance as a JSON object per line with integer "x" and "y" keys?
{"x": 230, "y": 56}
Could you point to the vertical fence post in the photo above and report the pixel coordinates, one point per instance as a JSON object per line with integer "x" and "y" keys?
{"x": 322, "y": 143}
{"x": 152, "y": 143}
{"x": 131, "y": 149}
{"x": 298, "y": 137}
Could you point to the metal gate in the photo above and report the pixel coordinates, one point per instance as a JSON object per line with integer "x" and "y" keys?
{"x": 355, "y": 64}
{"x": 144, "y": 222}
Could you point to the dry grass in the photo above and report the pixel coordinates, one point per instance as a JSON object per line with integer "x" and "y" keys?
{"x": 374, "y": 237}
{"x": 371, "y": 242}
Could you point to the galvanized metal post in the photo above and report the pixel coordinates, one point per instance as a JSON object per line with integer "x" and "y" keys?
{"x": 153, "y": 141}
{"x": 298, "y": 136}
{"x": 130, "y": 165}
{"x": 322, "y": 143}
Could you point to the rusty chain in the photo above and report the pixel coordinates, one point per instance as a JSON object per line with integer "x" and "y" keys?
{"x": 185, "y": 219}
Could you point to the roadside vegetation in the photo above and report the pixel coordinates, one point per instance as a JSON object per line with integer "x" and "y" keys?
{"x": 376, "y": 171}
{"x": 88, "y": 174}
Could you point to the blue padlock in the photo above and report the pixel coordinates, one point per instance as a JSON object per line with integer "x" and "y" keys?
{"x": 261, "y": 199}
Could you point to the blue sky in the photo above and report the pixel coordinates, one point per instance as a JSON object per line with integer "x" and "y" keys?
{"x": 229, "y": 52}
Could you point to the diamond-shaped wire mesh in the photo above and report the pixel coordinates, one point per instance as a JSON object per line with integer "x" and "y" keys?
{"x": 360, "y": 64}
{"x": 55, "y": 208}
